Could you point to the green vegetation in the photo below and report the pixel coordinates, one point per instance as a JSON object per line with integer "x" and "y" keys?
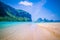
{"x": 14, "y": 19}
{"x": 10, "y": 14}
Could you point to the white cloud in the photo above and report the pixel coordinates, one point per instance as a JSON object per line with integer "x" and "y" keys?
{"x": 26, "y": 3}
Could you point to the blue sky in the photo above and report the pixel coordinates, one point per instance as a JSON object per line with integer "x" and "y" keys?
{"x": 49, "y": 9}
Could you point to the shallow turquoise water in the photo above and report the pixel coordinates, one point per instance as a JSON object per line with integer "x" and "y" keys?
{"x": 10, "y": 24}
{"x": 5, "y": 24}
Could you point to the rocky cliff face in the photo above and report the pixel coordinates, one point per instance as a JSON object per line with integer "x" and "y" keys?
{"x": 7, "y": 13}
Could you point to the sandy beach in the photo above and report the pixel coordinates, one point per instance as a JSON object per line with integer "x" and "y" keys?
{"x": 31, "y": 31}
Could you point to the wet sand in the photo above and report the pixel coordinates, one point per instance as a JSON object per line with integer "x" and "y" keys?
{"x": 31, "y": 31}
